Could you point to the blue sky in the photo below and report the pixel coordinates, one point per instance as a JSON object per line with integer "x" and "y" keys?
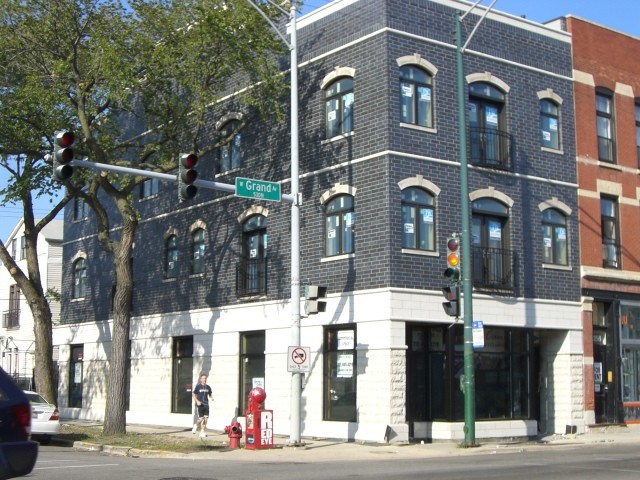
{"x": 622, "y": 15}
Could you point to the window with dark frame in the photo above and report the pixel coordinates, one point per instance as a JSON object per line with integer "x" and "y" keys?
{"x": 549, "y": 124}
{"x": 230, "y": 152}
{"x": 416, "y": 96}
{"x": 76, "y": 376}
{"x": 80, "y": 209}
{"x": 609, "y": 221}
{"x": 339, "y": 107}
{"x": 489, "y": 139}
{"x": 171, "y": 257}
{"x": 79, "y": 278}
{"x": 149, "y": 188}
{"x": 340, "y": 221}
{"x": 554, "y": 237}
{"x": 605, "y": 125}
{"x": 197, "y": 251}
{"x": 340, "y": 374}
{"x": 252, "y": 365}
{"x": 418, "y": 219}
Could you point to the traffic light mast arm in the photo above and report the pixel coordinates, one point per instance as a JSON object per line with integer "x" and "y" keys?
{"x": 208, "y": 184}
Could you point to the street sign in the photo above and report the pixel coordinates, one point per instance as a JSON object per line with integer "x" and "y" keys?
{"x": 298, "y": 359}
{"x": 477, "y": 327}
{"x": 258, "y": 189}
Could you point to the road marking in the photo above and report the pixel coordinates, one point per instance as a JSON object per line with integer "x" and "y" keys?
{"x": 80, "y": 466}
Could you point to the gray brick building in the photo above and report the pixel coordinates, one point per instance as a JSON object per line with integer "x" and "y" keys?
{"x": 380, "y": 181}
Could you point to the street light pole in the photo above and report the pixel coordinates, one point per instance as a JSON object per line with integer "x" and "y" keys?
{"x": 469, "y": 375}
{"x": 468, "y": 381}
{"x": 296, "y": 378}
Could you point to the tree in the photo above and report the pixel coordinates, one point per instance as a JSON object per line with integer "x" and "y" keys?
{"x": 120, "y": 69}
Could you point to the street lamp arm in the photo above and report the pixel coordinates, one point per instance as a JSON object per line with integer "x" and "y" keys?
{"x": 486, "y": 12}
{"x": 273, "y": 25}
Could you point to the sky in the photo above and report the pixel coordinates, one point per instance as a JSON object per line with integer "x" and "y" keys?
{"x": 622, "y": 15}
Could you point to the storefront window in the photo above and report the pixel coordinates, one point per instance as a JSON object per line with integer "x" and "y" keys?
{"x": 503, "y": 374}
{"x": 340, "y": 374}
{"x": 630, "y": 339}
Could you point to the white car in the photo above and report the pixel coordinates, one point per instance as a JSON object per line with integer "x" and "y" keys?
{"x": 45, "y": 418}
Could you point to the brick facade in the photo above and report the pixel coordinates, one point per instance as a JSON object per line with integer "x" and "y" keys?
{"x": 368, "y": 36}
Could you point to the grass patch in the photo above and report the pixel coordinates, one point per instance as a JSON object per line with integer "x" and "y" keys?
{"x": 143, "y": 441}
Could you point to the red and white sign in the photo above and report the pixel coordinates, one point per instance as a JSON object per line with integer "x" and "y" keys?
{"x": 298, "y": 359}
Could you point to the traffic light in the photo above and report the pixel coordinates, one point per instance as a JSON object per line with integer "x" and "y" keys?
{"x": 62, "y": 155}
{"x": 452, "y": 305}
{"x": 314, "y": 299}
{"x": 187, "y": 175}
{"x": 452, "y": 273}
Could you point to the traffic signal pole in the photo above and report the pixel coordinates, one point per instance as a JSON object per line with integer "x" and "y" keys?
{"x": 468, "y": 382}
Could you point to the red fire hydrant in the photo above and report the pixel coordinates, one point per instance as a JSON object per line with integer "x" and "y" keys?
{"x": 235, "y": 434}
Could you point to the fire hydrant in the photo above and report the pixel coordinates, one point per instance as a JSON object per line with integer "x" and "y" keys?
{"x": 235, "y": 434}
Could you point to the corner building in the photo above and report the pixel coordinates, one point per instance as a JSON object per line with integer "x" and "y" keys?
{"x": 380, "y": 180}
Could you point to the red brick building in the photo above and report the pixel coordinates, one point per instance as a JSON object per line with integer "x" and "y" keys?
{"x": 607, "y": 110}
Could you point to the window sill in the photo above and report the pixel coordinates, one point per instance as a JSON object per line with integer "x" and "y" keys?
{"x": 552, "y": 150}
{"x": 337, "y": 138}
{"x": 167, "y": 280}
{"x": 415, "y": 251}
{"x": 553, "y": 266}
{"x": 612, "y": 166}
{"x": 75, "y": 300}
{"x": 337, "y": 257}
{"x": 418, "y": 127}
{"x": 196, "y": 275}
{"x": 227, "y": 172}
{"x": 149, "y": 197}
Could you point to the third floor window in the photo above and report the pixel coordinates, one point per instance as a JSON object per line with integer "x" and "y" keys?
{"x": 605, "y": 126}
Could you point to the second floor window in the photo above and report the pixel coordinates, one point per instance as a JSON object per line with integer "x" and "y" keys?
{"x": 549, "y": 124}
{"x": 339, "y": 107}
{"x": 171, "y": 257}
{"x": 416, "y": 94}
{"x": 554, "y": 237}
{"x": 197, "y": 251}
{"x": 610, "y": 232}
{"x": 80, "y": 278}
{"x": 340, "y": 222}
{"x": 605, "y": 126}
{"x": 23, "y": 247}
{"x": 230, "y": 152}
{"x": 418, "y": 219}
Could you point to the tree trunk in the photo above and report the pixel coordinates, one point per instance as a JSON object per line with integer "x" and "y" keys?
{"x": 43, "y": 360}
{"x": 115, "y": 421}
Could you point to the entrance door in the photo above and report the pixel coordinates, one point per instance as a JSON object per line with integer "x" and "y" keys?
{"x": 604, "y": 372}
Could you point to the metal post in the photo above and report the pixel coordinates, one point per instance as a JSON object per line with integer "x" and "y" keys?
{"x": 469, "y": 375}
{"x": 296, "y": 378}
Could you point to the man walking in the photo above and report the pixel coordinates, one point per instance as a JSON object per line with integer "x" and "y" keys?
{"x": 201, "y": 394}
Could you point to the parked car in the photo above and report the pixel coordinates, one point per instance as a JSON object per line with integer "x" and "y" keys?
{"x": 45, "y": 418}
{"x": 18, "y": 453}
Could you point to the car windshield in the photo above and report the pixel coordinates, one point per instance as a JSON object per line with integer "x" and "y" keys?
{"x": 35, "y": 397}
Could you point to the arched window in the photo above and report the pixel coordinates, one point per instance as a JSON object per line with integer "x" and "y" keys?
{"x": 416, "y": 95}
{"x": 197, "y": 251}
{"x": 491, "y": 256}
{"x": 487, "y": 126}
{"x": 339, "y": 226}
{"x": 554, "y": 237}
{"x": 418, "y": 219}
{"x": 549, "y": 124}
{"x": 230, "y": 152}
{"x": 339, "y": 107}
{"x": 171, "y": 257}
{"x": 80, "y": 278}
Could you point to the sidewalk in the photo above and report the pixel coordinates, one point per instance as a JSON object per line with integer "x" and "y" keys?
{"x": 319, "y": 450}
